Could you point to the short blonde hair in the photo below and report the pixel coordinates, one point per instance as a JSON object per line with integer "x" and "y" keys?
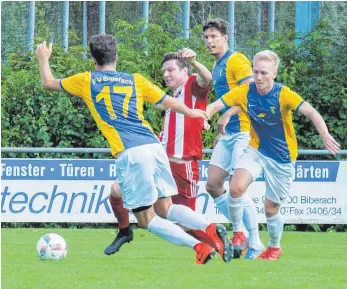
{"x": 267, "y": 55}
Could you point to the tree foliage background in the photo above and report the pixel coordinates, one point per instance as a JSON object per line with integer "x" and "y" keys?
{"x": 31, "y": 117}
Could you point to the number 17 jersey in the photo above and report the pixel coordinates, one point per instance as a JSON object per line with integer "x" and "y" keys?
{"x": 115, "y": 100}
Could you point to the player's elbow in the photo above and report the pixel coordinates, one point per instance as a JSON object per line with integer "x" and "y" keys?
{"x": 51, "y": 85}
{"x": 45, "y": 85}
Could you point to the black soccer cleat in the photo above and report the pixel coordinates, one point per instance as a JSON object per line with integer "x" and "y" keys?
{"x": 118, "y": 242}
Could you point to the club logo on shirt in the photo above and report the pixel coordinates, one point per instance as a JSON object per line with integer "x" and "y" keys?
{"x": 273, "y": 109}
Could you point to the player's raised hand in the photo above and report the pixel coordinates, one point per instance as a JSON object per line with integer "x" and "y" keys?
{"x": 188, "y": 55}
{"x": 198, "y": 113}
{"x": 43, "y": 52}
{"x": 331, "y": 144}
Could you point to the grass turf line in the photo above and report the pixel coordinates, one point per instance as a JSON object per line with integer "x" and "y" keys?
{"x": 310, "y": 260}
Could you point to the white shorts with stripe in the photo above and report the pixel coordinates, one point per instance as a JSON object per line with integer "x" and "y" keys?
{"x": 278, "y": 177}
{"x": 228, "y": 150}
{"x": 144, "y": 175}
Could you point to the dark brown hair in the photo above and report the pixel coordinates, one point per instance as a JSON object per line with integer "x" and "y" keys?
{"x": 103, "y": 48}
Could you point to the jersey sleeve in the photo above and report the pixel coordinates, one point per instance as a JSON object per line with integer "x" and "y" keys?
{"x": 236, "y": 96}
{"x": 75, "y": 83}
{"x": 240, "y": 67}
{"x": 292, "y": 100}
{"x": 150, "y": 92}
{"x": 197, "y": 90}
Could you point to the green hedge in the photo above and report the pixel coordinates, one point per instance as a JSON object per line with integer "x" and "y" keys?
{"x": 32, "y": 117}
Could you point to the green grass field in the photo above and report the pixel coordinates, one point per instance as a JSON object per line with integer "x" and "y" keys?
{"x": 310, "y": 260}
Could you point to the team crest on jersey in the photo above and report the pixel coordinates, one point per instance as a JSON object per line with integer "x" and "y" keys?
{"x": 273, "y": 109}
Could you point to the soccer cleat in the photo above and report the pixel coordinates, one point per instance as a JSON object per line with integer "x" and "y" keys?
{"x": 240, "y": 244}
{"x": 204, "y": 253}
{"x": 271, "y": 254}
{"x": 253, "y": 253}
{"x": 219, "y": 235}
{"x": 118, "y": 242}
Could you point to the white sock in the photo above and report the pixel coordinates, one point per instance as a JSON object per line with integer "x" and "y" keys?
{"x": 171, "y": 232}
{"x": 236, "y": 211}
{"x": 275, "y": 229}
{"x": 222, "y": 204}
{"x": 250, "y": 222}
{"x": 187, "y": 217}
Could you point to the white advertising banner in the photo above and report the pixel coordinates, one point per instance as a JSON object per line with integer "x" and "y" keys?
{"x": 70, "y": 190}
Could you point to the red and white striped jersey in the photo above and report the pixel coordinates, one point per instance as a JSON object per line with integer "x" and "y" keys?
{"x": 182, "y": 135}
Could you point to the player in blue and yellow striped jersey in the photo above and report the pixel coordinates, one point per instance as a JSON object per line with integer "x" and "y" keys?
{"x": 231, "y": 70}
{"x": 273, "y": 145}
{"x": 115, "y": 100}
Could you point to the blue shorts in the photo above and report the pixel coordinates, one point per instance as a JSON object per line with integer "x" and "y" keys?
{"x": 144, "y": 175}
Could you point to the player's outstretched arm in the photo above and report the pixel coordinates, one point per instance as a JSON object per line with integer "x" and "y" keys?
{"x": 329, "y": 142}
{"x": 176, "y": 106}
{"x": 214, "y": 107}
{"x": 204, "y": 75}
{"x": 43, "y": 54}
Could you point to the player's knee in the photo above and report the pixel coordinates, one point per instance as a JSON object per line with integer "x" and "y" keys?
{"x": 162, "y": 206}
{"x": 144, "y": 215}
{"x": 237, "y": 189}
{"x": 213, "y": 188}
{"x": 115, "y": 190}
{"x": 271, "y": 208}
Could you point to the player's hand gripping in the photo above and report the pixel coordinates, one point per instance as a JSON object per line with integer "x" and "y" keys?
{"x": 188, "y": 54}
{"x": 224, "y": 120}
{"x": 222, "y": 123}
{"x": 198, "y": 113}
{"x": 43, "y": 52}
{"x": 206, "y": 125}
{"x": 331, "y": 144}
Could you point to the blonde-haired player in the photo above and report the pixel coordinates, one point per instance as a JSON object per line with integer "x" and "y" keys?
{"x": 273, "y": 146}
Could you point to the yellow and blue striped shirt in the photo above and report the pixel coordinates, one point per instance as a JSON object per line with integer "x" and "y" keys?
{"x": 271, "y": 126}
{"x": 115, "y": 100}
{"x": 229, "y": 71}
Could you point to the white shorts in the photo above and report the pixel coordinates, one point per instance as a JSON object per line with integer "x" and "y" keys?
{"x": 278, "y": 177}
{"x": 144, "y": 175}
{"x": 228, "y": 150}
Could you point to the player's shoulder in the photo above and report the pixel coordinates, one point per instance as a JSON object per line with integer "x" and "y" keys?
{"x": 241, "y": 89}
{"x": 84, "y": 75}
{"x": 139, "y": 77}
{"x": 238, "y": 57}
{"x": 284, "y": 89}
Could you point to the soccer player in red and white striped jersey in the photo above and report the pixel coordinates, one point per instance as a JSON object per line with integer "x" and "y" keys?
{"x": 181, "y": 135}
{"x": 181, "y": 138}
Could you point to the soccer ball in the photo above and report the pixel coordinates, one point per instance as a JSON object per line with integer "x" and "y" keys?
{"x": 51, "y": 247}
